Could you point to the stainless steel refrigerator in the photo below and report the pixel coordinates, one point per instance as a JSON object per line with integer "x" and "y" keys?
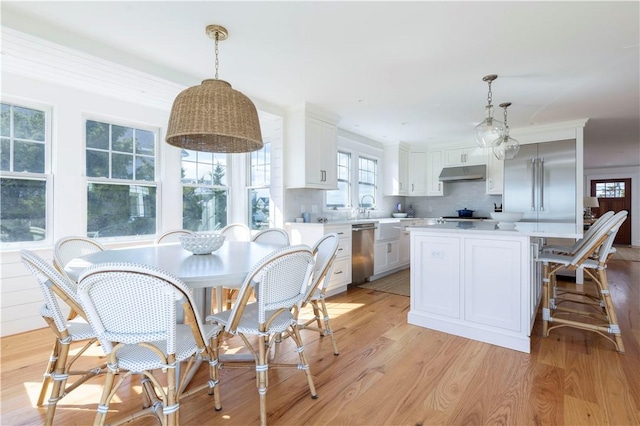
{"x": 541, "y": 182}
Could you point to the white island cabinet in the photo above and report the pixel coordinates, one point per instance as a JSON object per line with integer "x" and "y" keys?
{"x": 479, "y": 282}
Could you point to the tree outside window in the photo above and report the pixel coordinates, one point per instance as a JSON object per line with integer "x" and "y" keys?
{"x": 121, "y": 191}
{"x": 259, "y": 187}
{"x": 23, "y": 178}
{"x": 204, "y": 190}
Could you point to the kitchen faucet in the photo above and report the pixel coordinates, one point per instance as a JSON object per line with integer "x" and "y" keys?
{"x": 362, "y": 209}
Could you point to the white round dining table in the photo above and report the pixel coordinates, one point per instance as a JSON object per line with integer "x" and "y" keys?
{"x": 226, "y": 267}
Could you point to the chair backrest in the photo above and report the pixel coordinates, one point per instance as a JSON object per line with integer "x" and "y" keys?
{"x": 272, "y": 235}
{"x": 606, "y": 249}
{"x": 601, "y": 221}
{"x": 325, "y": 251}
{"x": 172, "y": 236}
{"x": 132, "y": 303}
{"x": 236, "y": 232}
{"x": 593, "y": 247}
{"x": 283, "y": 280}
{"x": 71, "y": 247}
{"x": 54, "y": 286}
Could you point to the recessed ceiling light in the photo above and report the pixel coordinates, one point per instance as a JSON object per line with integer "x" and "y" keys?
{"x": 362, "y": 100}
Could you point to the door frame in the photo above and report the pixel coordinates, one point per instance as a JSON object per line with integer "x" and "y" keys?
{"x": 632, "y": 173}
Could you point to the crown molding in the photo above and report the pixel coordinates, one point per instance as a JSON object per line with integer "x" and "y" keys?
{"x": 30, "y": 56}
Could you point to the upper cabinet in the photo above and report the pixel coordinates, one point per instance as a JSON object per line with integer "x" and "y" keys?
{"x": 312, "y": 149}
{"x": 396, "y": 169}
{"x": 434, "y": 167}
{"x": 465, "y": 156}
{"x": 418, "y": 173}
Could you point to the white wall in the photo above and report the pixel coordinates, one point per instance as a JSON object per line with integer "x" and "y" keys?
{"x": 632, "y": 173}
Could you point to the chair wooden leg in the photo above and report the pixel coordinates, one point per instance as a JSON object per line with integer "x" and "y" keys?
{"x": 59, "y": 378}
{"x": 46, "y": 377}
{"x": 103, "y": 406}
{"x": 546, "y": 312}
{"x": 614, "y": 328}
{"x": 262, "y": 376}
{"x": 327, "y": 327}
{"x": 304, "y": 365}
{"x": 316, "y": 313}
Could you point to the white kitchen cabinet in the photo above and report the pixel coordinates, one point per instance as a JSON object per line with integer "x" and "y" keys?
{"x": 396, "y": 170}
{"x": 418, "y": 173}
{"x": 465, "y": 156}
{"x": 309, "y": 233}
{"x": 312, "y": 150}
{"x": 386, "y": 256}
{"x": 434, "y": 167}
{"x": 474, "y": 286}
{"x": 495, "y": 174}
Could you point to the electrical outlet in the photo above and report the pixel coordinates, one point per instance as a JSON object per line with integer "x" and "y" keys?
{"x": 437, "y": 254}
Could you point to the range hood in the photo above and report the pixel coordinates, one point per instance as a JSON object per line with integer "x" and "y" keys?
{"x": 463, "y": 173}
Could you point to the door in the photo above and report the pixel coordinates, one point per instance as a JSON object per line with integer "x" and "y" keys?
{"x": 614, "y": 194}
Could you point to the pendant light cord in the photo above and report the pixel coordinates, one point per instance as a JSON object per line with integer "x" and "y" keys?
{"x": 216, "y": 52}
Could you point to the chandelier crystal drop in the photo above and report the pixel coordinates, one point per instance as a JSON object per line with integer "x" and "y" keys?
{"x": 490, "y": 130}
{"x": 506, "y": 148}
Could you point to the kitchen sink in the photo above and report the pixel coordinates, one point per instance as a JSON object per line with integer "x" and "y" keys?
{"x": 388, "y": 230}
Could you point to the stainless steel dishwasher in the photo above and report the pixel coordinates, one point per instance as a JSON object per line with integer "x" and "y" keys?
{"x": 362, "y": 251}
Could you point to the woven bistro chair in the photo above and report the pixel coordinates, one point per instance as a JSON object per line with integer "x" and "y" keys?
{"x": 584, "y": 309}
{"x": 324, "y": 250}
{"x": 281, "y": 280}
{"x": 272, "y": 235}
{"x": 69, "y": 248}
{"x": 236, "y": 232}
{"x": 134, "y": 311}
{"x": 56, "y": 287}
{"x": 172, "y": 236}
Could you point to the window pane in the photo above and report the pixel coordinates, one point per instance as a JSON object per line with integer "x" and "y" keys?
{"x": 367, "y": 181}
{"x": 121, "y": 166}
{"x": 189, "y": 172}
{"x": 120, "y": 210}
{"x": 340, "y": 197}
{"x": 610, "y": 190}
{"x": 28, "y": 124}
{"x": 145, "y": 142}
{"x": 122, "y": 139}
{"x": 145, "y": 168}
{"x": 259, "y": 202}
{"x": 97, "y": 164}
{"x": 205, "y": 174}
{"x": 260, "y": 166}
{"x": 5, "y": 120}
{"x": 28, "y": 157}
{"x": 97, "y": 135}
{"x": 22, "y": 210}
{"x": 204, "y": 209}
{"x": 5, "y": 154}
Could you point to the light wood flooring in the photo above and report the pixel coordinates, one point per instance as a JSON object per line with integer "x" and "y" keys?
{"x": 390, "y": 373}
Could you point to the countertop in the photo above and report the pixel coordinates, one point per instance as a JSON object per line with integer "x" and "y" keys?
{"x": 531, "y": 229}
{"x": 354, "y": 221}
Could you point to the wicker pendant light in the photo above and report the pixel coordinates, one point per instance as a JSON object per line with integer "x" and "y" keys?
{"x": 213, "y": 117}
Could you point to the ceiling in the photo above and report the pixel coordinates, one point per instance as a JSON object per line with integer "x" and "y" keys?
{"x": 393, "y": 71}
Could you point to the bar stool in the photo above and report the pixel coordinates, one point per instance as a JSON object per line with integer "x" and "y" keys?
{"x": 592, "y": 258}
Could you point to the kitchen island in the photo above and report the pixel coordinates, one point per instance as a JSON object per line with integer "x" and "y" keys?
{"x": 479, "y": 281}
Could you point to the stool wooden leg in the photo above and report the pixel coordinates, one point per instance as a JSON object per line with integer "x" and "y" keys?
{"x": 605, "y": 294}
{"x": 546, "y": 312}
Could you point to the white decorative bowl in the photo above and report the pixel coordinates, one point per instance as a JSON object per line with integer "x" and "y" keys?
{"x": 201, "y": 243}
{"x": 507, "y": 217}
{"x": 400, "y": 215}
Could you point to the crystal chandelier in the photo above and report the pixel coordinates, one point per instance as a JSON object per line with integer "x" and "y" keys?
{"x": 490, "y": 130}
{"x": 506, "y": 147}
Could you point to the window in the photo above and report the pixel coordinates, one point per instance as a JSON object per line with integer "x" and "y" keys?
{"x": 258, "y": 187}
{"x": 24, "y": 141}
{"x": 610, "y": 189}
{"x": 341, "y": 197}
{"x": 367, "y": 172}
{"x": 121, "y": 190}
{"x": 204, "y": 190}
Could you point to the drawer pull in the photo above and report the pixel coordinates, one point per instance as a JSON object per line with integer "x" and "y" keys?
{"x": 337, "y": 272}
